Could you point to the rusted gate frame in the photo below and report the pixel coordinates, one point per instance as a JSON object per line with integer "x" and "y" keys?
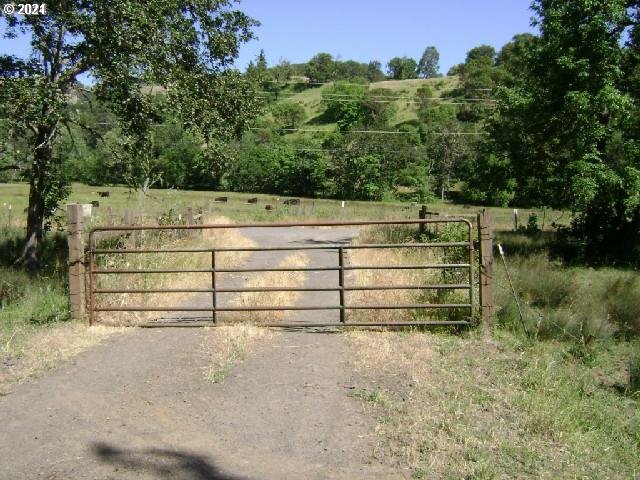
{"x": 341, "y": 268}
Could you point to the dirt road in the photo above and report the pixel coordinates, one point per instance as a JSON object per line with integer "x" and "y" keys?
{"x": 139, "y": 406}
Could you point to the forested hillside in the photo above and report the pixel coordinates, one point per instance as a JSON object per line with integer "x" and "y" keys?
{"x": 348, "y": 138}
{"x": 547, "y": 120}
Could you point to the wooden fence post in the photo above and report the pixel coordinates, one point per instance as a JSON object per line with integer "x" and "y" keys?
{"x": 75, "y": 240}
{"x": 485, "y": 267}
{"x": 190, "y": 216}
{"x": 128, "y": 217}
{"x": 422, "y": 214}
{"x": 109, "y": 216}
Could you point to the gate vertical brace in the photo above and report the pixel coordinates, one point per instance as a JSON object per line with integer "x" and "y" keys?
{"x": 213, "y": 285}
{"x": 470, "y": 250}
{"x": 92, "y": 281}
{"x": 341, "y": 281}
{"x": 75, "y": 241}
{"x": 485, "y": 268}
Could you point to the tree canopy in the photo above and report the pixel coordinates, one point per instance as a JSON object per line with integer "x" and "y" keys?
{"x": 402, "y": 68}
{"x": 187, "y": 48}
{"x": 428, "y": 65}
{"x": 564, "y": 133}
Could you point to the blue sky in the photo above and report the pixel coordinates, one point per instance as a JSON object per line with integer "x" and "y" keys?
{"x": 366, "y": 30}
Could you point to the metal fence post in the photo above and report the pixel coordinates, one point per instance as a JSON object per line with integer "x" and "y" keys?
{"x": 341, "y": 282}
{"x": 485, "y": 268}
{"x": 213, "y": 285}
{"x": 75, "y": 241}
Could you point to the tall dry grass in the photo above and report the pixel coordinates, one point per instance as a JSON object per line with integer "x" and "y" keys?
{"x": 212, "y": 238}
{"x": 391, "y": 256}
{"x": 569, "y": 303}
{"x": 277, "y": 299}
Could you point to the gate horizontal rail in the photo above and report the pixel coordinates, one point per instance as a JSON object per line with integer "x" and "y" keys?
{"x": 340, "y": 268}
{"x": 287, "y": 289}
{"x": 285, "y": 307}
{"x": 282, "y": 269}
{"x": 275, "y": 249}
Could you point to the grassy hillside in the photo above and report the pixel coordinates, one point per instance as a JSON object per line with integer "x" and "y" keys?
{"x": 311, "y": 99}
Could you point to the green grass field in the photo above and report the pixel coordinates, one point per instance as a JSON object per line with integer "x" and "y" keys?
{"x": 158, "y": 202}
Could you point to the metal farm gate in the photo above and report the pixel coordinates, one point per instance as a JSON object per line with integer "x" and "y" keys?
{"x": 98, "y": 261}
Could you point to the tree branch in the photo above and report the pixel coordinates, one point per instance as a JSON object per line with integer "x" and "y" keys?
{"x": 69, "y": 76}
{"x": 87, "y": 128}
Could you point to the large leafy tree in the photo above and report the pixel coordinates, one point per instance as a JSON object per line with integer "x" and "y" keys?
{"x": 351, "y": 105}
{"x": 428, "y": 65}
{"x": 321, "y": 68}
{"x": 402, "y": 68}
{"x": 184, "y": 46}
{"x": 564, "y": 132}
{"x": 374, "y": 71}
{"x": 479, "y": 75}
{"x": 288, "y": 115}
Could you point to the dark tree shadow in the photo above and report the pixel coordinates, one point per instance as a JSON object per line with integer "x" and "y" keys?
{"x": 329, "y": 244}
{"x": 163, "y": 463}
{"x": 321, "y": 119}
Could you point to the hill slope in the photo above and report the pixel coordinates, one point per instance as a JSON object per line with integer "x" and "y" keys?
{"x": 311, "y": 99}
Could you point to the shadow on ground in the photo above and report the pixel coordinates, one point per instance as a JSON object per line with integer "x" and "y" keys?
{"x": 162, "y": 463}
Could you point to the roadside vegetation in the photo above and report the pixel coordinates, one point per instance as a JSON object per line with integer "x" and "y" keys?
{"x": 227, "y": 345}
{"x": 471, "y": 406}
{"x": 560, "y": 401}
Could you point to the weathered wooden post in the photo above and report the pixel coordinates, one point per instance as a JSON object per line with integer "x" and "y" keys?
{"x": 190, "y": 216}
{"x": 128, "y": 218}
{"x": 485, "y": 267}
{"x": 75, "y": 240}
{"x": 422, "y": 214}
{"x": 109, "y": 216}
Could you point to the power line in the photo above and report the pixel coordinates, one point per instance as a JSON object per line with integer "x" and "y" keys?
{"x": 380, "y": 132}
{"x": 339, "y": 100}
{"x": 333, "y": 150}
{"x": 368, "y": 97}
{"x": 333, "y": 82}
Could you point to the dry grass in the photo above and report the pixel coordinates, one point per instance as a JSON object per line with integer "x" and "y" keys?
{"x": 279, "y": 299}
{"x": 226, "y": 345}
{"x": 392, "y": 370}
{"x": 208, "y": 238}
{"x": 48, "y": 348}
{"x": 476, "y": 407}
{"x": 399, "y": 256}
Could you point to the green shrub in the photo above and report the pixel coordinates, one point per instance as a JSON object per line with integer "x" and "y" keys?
{"x": 10, "y": 291}
{"x": 30, "y": 301}
{"x": 543, "y": 283}
{"x": 622, "y": 298}
{"x": 634, "y": 374}
{"x": 52, "y": 307}
{"x": 569, "y": 303}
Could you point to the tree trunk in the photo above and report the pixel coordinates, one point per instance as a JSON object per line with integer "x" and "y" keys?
{"x": 36, "y": 210}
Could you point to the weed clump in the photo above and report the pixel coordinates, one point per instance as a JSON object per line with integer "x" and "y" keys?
{"x": 569, "y": 302}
